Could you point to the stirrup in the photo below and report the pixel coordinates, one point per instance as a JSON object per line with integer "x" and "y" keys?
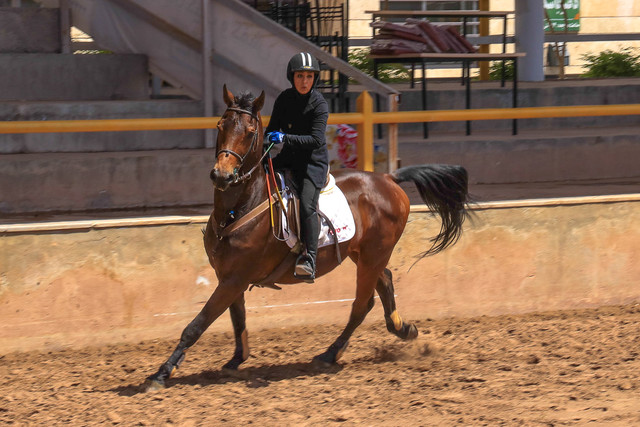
{"x": 304, "y": 271}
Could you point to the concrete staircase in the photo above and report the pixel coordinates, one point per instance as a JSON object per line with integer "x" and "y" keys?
{"x": 127, "y": 170}
{"x": 108, "y": 171}
{"x": 86, "y": 171}
{"x": 39, "y": 83}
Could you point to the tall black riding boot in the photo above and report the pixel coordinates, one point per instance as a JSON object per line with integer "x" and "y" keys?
{"x": 306, "y": 264}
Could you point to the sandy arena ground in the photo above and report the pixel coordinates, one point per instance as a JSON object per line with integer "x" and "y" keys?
{"x": 558, "y": 368}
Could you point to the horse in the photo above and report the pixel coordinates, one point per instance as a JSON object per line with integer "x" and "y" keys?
{"x": 242, "y": 249}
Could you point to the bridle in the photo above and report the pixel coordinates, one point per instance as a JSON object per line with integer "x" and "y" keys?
{"x": 239, "y": 179}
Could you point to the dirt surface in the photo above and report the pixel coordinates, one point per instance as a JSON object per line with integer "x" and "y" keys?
{"x": 558, "y": 368}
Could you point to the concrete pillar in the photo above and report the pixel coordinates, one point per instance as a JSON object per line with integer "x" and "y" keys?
{"x": 65, "y": 27}
{"x": 530, "y": 39}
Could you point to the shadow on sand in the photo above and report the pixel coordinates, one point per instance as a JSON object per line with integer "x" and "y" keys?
{"x": 253, "y": 377}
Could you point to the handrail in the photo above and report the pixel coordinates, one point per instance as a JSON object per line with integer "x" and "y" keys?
{"x": 181, "y": 123}
{"x": 559, "y": 37}
{"x": 506, "y": 113}
{"x": 118, "y": 125}
{"x": 364, "y": 119}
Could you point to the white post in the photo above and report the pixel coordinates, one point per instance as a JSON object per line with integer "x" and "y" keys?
{"x": 530, "y": 39}
{"x": 207, "y": 81}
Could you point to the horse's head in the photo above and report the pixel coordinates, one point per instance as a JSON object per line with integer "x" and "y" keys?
{"x": 239, "y": 138}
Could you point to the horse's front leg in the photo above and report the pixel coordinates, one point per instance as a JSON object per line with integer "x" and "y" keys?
{"x": 222, "y": 298}
{"x": 238, "y": 320}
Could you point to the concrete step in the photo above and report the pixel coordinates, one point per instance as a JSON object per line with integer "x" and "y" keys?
{"x": 99, "y": 141}
{"x": 107, "y": 181}
{"x": 29, "y": 30}
{"x": 497, "y": 157}
{"x": 450, "y": 95}
{"x": 67, "y": 77}
{"x": 68, "y": 182}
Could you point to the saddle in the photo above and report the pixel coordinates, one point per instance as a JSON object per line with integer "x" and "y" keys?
{"x": 287, "y": 223}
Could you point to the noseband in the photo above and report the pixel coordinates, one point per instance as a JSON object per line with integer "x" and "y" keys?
{"x": 238, "y": 179}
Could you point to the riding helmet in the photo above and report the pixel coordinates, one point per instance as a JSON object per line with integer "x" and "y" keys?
{"x": 303, "y": 61}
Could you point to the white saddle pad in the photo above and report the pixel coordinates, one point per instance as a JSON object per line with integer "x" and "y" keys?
{"x": 334, "y": 205}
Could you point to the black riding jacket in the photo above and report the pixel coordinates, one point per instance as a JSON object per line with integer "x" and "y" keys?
{"x": 303, "y": 120}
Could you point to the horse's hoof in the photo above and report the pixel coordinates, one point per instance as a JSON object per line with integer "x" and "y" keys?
{"x": 235, "y": 373}
{"x": 233, "y": 364}
{"x": 152, "y": 385}
{"x": 323, "y": 361}
{"x": 412, "y": 333}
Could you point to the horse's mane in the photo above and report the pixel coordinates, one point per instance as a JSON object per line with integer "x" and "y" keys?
{"x": 244, "y": 100}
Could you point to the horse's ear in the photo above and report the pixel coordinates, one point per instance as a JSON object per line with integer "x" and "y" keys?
{"x": 258, "y": 103}
{"x": 227, "y": 96}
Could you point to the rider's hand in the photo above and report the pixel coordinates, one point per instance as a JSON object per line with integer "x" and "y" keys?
{"x": 275, "y": 137}
{"x": 273, "y": 143}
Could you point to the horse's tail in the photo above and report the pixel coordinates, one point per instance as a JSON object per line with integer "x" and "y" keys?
{"x": 444, "y": 189}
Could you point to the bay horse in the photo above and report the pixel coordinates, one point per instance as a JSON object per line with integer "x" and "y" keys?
{"x": 243, "y": 250}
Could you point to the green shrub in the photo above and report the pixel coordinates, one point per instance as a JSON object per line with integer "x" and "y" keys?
{"x": 388, "y": 73}
{"x": 625, "y": 63}
{"x": 495, "y": 70}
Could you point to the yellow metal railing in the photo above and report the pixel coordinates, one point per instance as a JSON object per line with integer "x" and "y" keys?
{"x": 365, "y": 118}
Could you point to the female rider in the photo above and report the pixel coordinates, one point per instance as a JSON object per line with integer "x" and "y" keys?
{"x": 297, "y": 130}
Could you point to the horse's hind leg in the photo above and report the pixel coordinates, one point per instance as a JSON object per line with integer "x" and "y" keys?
{"x": 221, "y": 299}
{"x": 395, "y": 324}
{"x": 238, "y": 320}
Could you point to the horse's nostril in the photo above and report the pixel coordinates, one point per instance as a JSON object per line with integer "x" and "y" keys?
{"x": 220, "y": 179}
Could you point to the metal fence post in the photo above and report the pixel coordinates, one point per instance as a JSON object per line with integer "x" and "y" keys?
{"x": 364, "y": 105}
{"x": 392, "y": 153}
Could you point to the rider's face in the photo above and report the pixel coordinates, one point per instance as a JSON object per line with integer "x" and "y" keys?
{"x": 303, "y": 81}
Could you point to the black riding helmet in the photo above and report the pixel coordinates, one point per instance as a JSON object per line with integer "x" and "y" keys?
{"x": 303, "y": 61}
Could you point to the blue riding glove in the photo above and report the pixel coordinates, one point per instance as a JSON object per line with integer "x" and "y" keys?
{"x": 273, "y": 143}
{"x": 275, "y": 137}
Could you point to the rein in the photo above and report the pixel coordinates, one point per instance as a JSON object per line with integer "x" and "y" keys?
{"x": 226, "y": 230}
{"x": 238, "y": 179}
